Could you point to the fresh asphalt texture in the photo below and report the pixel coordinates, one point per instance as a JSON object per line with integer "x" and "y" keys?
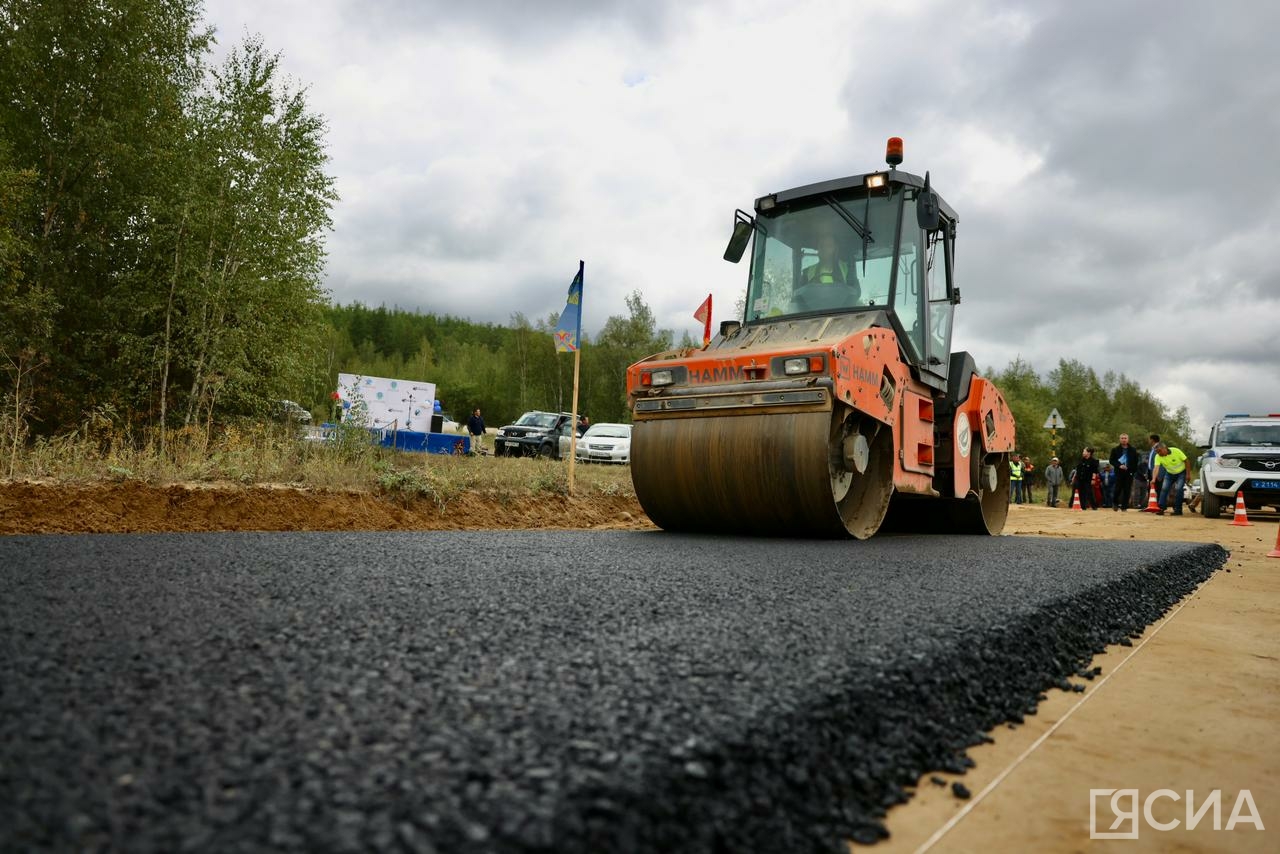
{"x": 526, "y": 691}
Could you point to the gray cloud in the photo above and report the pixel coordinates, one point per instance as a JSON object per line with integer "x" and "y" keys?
{"x": 1112, "y": 163}
{"x": 518, "y": 26}
{"x": 1139, "y": 241}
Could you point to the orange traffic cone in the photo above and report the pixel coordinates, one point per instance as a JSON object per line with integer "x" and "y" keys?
{"x": 1153, "y": 503}
{"x": 1276, "y": 551}
{"x": 1075, "y": 500}
{"x": 1241, "y": 517}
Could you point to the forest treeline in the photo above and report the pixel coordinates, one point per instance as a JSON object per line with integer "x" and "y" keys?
{"x": 503, "y": 370}
{"x": 162, "y": 226}
{"x": 506, "y": 370}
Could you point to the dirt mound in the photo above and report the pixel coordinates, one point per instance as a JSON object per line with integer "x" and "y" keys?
{"x": 135, "y": 507}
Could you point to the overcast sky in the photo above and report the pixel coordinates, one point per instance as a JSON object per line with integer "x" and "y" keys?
{"x": 1114, "y": 164}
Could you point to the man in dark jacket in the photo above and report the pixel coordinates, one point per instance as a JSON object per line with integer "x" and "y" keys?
{"x": 1082, "y": 479}
{"x": 475, "y": 426}
{"x": 1154, "y": 471}
{"x": 1124, "y": 459}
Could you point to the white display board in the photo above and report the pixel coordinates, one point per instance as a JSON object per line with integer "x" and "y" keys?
{"x": 406, "y": 403}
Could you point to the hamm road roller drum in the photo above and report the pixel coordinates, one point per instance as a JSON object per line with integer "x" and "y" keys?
{"x": 752, "y": 474}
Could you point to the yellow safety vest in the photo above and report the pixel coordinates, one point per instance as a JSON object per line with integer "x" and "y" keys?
{"x": 1173, "y": 462}
{"x": 815, "y": 276}
{"x": 1015, "y": 471}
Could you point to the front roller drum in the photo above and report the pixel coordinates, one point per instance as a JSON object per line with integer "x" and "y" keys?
{"x": 775, "y": 474}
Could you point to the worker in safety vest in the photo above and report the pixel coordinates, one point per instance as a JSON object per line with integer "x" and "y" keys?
{"x": 829, "y": 270}
{"x": 1015, "y": 479}
{"x": 1172, "y": 464}
{"x": 830, "y": 282}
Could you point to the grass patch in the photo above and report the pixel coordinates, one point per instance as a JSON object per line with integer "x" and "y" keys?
{"x": 432, "y": 483}
{"x": 274, "y": 454}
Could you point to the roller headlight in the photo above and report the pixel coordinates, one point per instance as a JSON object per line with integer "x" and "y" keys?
{"x": 795, "y": 366}
{"x": 660, "y": 378}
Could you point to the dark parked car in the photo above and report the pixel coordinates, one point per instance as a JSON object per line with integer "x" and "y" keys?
{"x": 535, "y": 434}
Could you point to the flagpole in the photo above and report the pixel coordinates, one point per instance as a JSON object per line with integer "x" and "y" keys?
{"x": 577, "y": 361}
{"x": 573, "y": 437}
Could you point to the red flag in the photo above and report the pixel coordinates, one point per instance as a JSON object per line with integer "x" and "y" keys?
{"x": 704, "y": 314}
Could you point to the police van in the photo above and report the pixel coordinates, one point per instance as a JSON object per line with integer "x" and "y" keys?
{"x": 1243, "y": 457}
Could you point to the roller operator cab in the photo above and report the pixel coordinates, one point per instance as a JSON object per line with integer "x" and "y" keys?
{"x": 835, "y": 407}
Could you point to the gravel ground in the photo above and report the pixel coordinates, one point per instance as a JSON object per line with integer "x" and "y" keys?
{"x": 526, "y": 691}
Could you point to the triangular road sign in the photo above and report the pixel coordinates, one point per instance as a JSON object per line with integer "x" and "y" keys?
{"x": 1054, "y": 422}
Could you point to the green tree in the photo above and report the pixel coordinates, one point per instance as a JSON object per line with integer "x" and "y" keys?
{"x": 1096, "y": 411}
{"x": 174, "y": 234}
{"x": 622, "y": 342}
{"x": 93, "y": 103}
{"x": 254, "y": 308}
{"x": 1030, "y": 401}
{"x": 516, "y": 356}
{"x": 1083, "y": 403}
{"x": 26, "y": 308}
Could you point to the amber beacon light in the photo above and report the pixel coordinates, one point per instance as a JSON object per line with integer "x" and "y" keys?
{"x": 893, "y": 151}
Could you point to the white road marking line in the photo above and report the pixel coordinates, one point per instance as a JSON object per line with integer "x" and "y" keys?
{"x": 999, "y": 778}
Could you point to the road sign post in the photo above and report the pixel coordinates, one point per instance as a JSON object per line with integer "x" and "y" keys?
{"x": 1052, "y": 424}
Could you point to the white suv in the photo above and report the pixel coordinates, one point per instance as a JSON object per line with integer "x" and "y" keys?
{"x": 1243, "y": 456}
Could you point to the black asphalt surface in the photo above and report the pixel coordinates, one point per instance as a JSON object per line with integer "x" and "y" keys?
{"x": 526, "y": 691}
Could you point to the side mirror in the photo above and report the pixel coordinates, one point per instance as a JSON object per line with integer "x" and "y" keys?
{"x": 742, "y": 228}
{"x": 928, "y": 211}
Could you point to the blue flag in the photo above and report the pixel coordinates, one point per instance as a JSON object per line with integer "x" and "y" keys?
{"x": 569, "y": 330}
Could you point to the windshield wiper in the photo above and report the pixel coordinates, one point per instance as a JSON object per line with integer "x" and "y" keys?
{"x": 855, "y": 224}
{"x": 863, "y": 231}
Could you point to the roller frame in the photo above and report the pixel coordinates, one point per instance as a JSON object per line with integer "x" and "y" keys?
{"x": 745, "y": 461}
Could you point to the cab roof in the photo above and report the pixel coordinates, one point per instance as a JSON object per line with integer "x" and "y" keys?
{"x": 853, "y": 182}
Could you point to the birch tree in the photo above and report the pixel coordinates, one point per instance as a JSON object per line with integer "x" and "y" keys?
{"x": 253, "y": 311}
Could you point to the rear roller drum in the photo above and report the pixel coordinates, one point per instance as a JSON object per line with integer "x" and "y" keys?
{"x": 861, "y": 465}
{"x": 982, "y": 511}
{"x": 986, "y": 508}
{"x": 992, "y": 487}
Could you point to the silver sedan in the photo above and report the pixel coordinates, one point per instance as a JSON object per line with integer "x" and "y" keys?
{"x": 605, "y": 443}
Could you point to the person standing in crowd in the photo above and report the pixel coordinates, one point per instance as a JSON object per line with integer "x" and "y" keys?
{"x": 1028, "y": 476}
{"x": 1173, "y": 477}
{"x": 1082, "y": 479}
{"x": 1108, "y": 475}
{"x": 1154, "y": 439}
{"x": 475, "y": 426}
{"x": 1015, "y": 479}
{"x": 1124, "y": 459}
{"x": 1053, "y": 478}
{"x": 1141, "y": 479}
